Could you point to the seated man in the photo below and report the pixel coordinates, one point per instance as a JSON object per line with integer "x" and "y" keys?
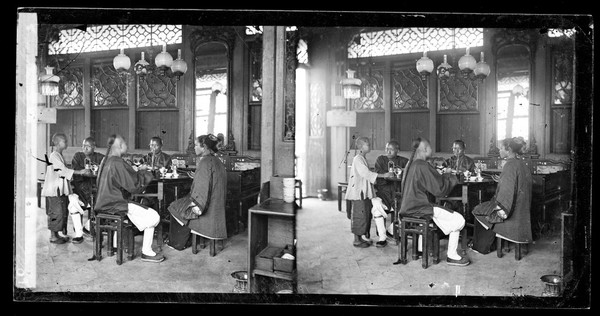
{"x": 386, "y": 189}
{"x": 115, "y": 176}
{"x": 459, "y": 162}
{"x": 156, "y": 158}
{"x": 84, "y": 186}
{"x": 420, "y": 179}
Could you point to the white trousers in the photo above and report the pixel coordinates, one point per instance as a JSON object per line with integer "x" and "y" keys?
{"x": 142, "y": 217}
{"x": 451, "y": 224}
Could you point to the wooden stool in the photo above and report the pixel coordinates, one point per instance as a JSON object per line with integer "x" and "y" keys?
{"x": 298, "y": 186}
{"x": 109, "y": 223}
{"x": 212, "y": 242}
{"x": 499, "y": 249}
{"x": 416, "y": 227}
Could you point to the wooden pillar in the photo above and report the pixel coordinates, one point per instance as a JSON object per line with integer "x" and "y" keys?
{"x": 277, "y": 156}
{"x": 26, "y": 210}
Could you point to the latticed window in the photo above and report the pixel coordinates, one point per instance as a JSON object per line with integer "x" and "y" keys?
{"x": 561, "y": 32}
{"x": 413, "y": 40}
{"x": 110, "y": 37}
{"x": 258, "y": 29}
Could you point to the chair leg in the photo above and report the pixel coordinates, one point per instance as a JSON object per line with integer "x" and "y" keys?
{"x": 98, "y": 242}
{"x": 403, "y": 244}
{"x": 131, "y": 246}
{"x": 425, "y": 252}
{"x": 517, "y": 251}
{"x": 300, "y": 195}
{"x": 213, "y": 250}
{"x": 339, "y": 198}
{"x": 435, "y": 238}
{"x": 415, "y": 246}
{"x": 120, "y": 242}
{"x": 109, "y": 243}
{"x": 194, "y": 244}
{"x": 159, "y": 235}
{"x": 499, "y": 247}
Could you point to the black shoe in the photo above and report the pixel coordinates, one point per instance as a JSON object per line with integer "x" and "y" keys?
{"x": 156, "y": 258}
{"x": 361, "y": 244}
{"x": 77, "y": 240}
{"x": 59, "y": 240}
{"x": 381, "y": 244}
{"x": 464, "y": 261}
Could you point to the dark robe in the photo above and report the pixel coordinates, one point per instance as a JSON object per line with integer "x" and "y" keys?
{"x": 513, "y": 195}
{"x": 84, "y": 186}
{"x": 208, "y": 193}
{"x": 462, "y": 163}
{"x": 423, "y": 179}
{"x": 161, "y": 160}
{"x": 115, "y": 178}
{"x": 385, "y": 189}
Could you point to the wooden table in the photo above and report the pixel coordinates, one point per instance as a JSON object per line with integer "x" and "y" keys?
{"x": 465, "y": 187}
{"x": 270, "y": 223}
{"x": 161, "y": 189}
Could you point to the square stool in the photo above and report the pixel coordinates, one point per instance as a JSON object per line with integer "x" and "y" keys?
{"x": 212, "y": 242}
{"x": 109, "y": 223}
{"x": 499, "y": 250}
{"x": 424, "y": 227}
{"x": 342, "y": 187}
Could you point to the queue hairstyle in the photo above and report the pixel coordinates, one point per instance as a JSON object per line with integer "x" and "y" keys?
{"x": 416, "y": 142}
{"x": 109, "y": 144}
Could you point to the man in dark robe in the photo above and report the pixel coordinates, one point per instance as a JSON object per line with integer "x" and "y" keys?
{"x": 156, "y": 158}
{"x": 84, "y": 186}
{"x": 507, "y": 215}
{"x": 421, "y": 179}
{"x": 386, "y": 189}
{"x": 115, "y": 176}
{"x": 459, "y": 161}
{"x": 203, "y": 210}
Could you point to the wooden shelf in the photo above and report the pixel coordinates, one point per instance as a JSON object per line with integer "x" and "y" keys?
{"x": 275, "y": 274}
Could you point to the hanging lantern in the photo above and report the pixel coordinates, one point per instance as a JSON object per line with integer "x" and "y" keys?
{"x": 351, "y": 85}
{"x": 217, "y": 87}
{"x": 425, "y": 66}
{"x": 164, "y": 60}
{"x": 179, "y": 66}
{"x": 121, "y": 62}
{"x": 444, "y": 70}
{"x": 49, "y": 82}
{"x": 141, "y": 67}
{"x": 482, "y": 69}
{"x": 466, "y": 64}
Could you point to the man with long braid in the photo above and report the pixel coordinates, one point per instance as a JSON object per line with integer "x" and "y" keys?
{"x": 419, "y": 179}
{"x": 115, "y": 176}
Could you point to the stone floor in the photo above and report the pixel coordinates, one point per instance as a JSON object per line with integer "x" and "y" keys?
{"x": 328, "y": 267}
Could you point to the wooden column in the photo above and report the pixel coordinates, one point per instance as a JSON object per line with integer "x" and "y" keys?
{"x": 277, "y": 156}
{"x": 26, "y": 210}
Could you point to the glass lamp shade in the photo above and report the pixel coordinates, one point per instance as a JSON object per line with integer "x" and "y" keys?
{"x": 141, "y": 67}
{"x": 482, "y": 69}
{"x": 121, "y": 62}
{"x": 424, "y": 65}
{"x": 444, "y": 69}
{"x": 217, "y": 87}
{"x": 179, "y": 66}
{"x": 164, "y": 59}
{"x": 466, "y": 63}
{"x": 518, "y": 90}
{"x": 351, "y": 86}
{"x": 49, "y": 82}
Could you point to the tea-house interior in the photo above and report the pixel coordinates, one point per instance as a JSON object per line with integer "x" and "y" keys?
{"x": 288, "y": 99}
